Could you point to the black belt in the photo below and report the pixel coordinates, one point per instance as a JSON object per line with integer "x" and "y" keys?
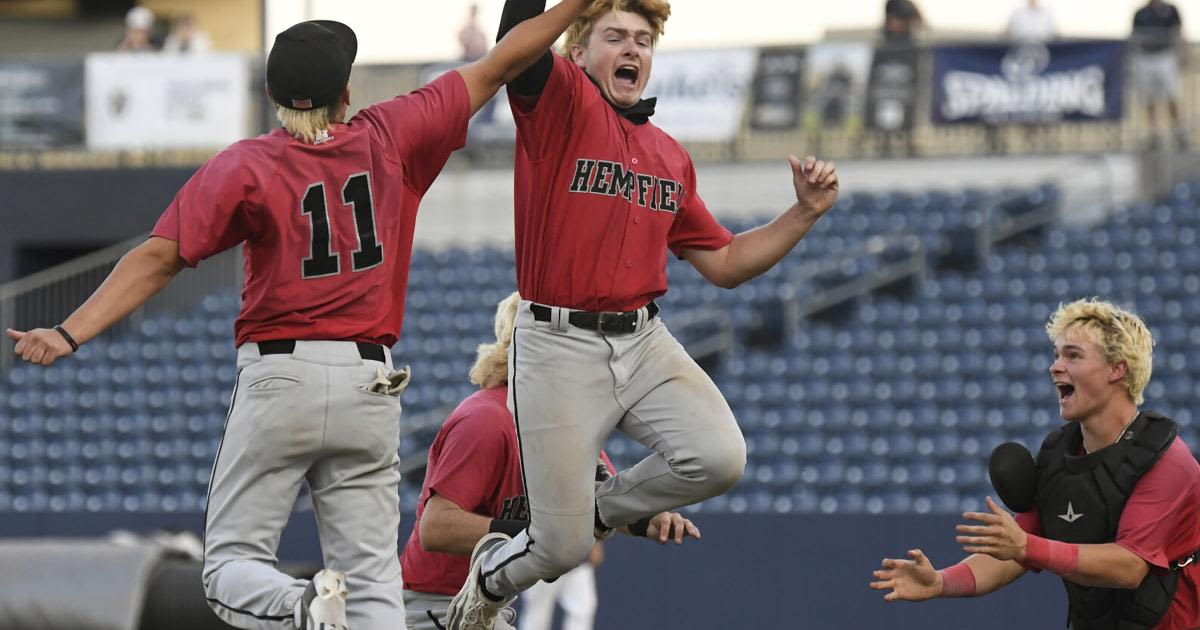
{"x": 368, "y": 351}
{"x": 1178, "y": 565}
{"x": 604, "y": 322}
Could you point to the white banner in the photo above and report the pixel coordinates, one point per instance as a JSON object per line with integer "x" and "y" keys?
{"x": 158, "y": 100}
{"x": 701, "y": 93}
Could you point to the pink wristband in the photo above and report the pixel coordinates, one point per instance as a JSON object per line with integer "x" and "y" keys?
{"x": 958, "y": 581}
{"x": 1059, "y": 558}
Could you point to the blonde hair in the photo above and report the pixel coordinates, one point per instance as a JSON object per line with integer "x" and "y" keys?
{"x": 307, "y": 124}
{"x": 491, "y": 364}
{"x": 1121, "y": 335}
{"x": 656, "y": 13}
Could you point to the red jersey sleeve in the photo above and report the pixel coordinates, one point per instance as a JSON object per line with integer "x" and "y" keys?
{"x": 425, "y": 127}
{"x": 471, "y": 461}
{"x": 1029, "y": 522}
{"x": 1156, "y": 521}
{"x": 214, "y": 210}
{"x": 694, "y": 226}
{"x": 542, "y": 126}
{"x": 608, "y": 462}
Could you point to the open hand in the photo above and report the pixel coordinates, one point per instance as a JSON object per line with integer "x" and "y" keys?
{"x": 909, "y": 580}
{"x": 671, "y": 525}
{"x": 999, "y": 537}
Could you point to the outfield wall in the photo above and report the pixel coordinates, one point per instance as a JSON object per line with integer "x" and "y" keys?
{"x": 750, "y": 571}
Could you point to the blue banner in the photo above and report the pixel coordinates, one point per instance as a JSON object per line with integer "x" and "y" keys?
{"x": 1028, "y": 83}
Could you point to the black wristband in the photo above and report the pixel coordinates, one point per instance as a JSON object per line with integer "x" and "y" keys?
{"x": 533, "y": 79}
{"x": 65, "y": 335}
{"x": 639, "y": 528}
{"x": 509, "y": 526}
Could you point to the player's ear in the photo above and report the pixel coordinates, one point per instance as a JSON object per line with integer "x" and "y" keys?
{"x": 346, "y": 96}
{"x": 577, "y": 54}
{"x": 267, "y": 89}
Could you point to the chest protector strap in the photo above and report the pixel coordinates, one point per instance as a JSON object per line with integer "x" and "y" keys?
{"x": 1080, "y": 499}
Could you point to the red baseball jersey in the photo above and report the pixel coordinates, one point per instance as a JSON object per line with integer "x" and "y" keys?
{"x": 599, "y": 200}
{"x": 1160, "y": 523}
{"x": 327, "y": 228}
{"x": 475, "y": 461}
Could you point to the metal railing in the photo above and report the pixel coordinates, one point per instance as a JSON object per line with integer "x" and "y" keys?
{"x": 48, "y": 297}
{"x": 802, "y": 301}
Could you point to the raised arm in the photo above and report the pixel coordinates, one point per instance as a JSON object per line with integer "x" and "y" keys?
{"x": 141, "y": 273}
{"x": 755, "y": 251}
{"x": 527, "y": 42}
{"x": 530, "y": 82}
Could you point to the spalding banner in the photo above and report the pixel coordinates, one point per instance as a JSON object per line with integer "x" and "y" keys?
{"x": 1026, "y": 83}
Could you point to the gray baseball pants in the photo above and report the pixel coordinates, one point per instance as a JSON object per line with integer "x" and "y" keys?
{"x": 296, "y": 418}
{"x": 568, "y": 389}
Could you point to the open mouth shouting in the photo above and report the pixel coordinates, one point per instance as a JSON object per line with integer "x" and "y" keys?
{"x": 1065, "y": 391}
{"x": 626, "y": 77}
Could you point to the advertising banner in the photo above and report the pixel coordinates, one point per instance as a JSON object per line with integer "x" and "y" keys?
{"x": 1028, "y": 83}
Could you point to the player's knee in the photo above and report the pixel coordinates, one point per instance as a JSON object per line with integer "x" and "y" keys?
{"x": 721, "y": 464}
{"x": 728, "y": 467}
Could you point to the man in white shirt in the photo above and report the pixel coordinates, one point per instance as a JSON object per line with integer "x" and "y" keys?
{"x": 1031, "y": 23}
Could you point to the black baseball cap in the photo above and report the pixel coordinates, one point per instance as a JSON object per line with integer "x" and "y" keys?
{"x": 309, "y": 64}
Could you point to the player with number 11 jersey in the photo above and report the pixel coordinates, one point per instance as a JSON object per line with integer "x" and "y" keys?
{"x": 327, "y": 241}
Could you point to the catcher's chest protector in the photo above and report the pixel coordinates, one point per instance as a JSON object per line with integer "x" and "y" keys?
{"x": 1080, "y": 499}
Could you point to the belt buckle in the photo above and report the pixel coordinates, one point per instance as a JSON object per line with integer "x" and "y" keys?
{"x": 600, "y": 317}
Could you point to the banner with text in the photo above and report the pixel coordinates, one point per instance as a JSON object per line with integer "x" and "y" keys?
{"x": 1028, "y": 83}
{"x": 153, "y": 101}
{"x": 778, "y": 89}
{"x": 41, "y": 104}
{"x": 702, "y": 93}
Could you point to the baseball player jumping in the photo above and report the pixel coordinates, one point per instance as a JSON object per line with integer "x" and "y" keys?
{"x": 601, "y": 195}
{"x": 473, "y": 487}
{"x": 326, "y": 211}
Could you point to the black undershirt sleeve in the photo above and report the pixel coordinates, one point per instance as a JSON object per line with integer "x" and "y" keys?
{"x": 533, "y": 79}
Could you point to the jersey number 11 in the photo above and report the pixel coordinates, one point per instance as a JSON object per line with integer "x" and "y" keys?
{"x": 322, "y": 260}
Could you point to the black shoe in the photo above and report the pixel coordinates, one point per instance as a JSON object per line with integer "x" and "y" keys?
{"x": 602, "y": 531}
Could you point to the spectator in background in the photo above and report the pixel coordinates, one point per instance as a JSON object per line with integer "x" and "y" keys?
{"x": 1156, "y": 42}
{"x": 186, "y": 38}
{"x": 473, "y": 40}
{"x": 901, "y": 19}
{"x": 1031, "y": 24}
{"x": 139, "y": 29}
